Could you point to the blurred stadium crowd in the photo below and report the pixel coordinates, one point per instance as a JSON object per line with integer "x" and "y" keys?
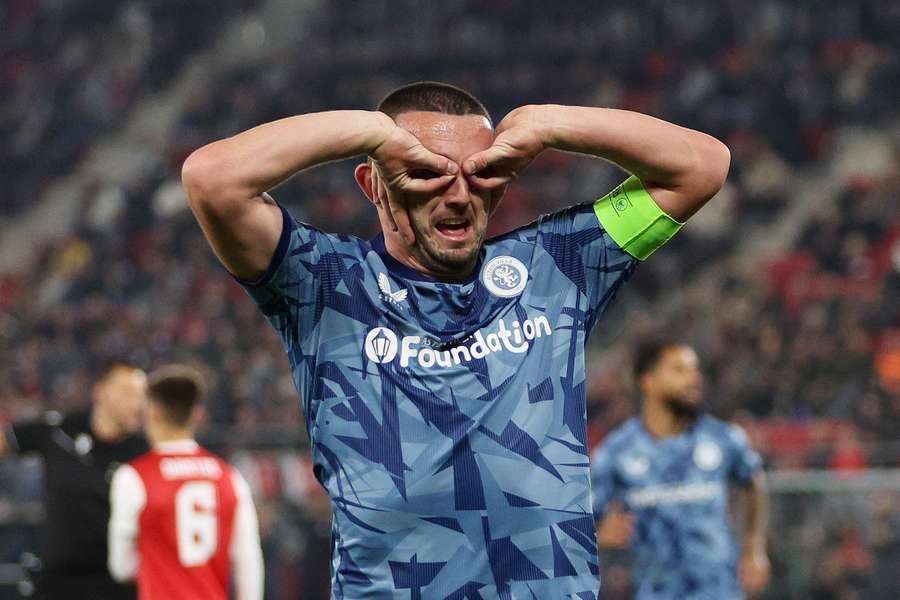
{"x": 799, "y": 327}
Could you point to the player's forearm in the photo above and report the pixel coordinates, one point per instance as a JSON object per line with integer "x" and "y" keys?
{"x": 660, "y": 153}
{"x": 756, "y": 515}
{"x": 255, "y": 161}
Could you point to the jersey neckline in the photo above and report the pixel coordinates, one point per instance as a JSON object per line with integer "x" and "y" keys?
{"x": 398, "y": 269}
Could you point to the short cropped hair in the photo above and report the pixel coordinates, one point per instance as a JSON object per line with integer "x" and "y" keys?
{"x": 177, "y": 389}
{"x": 432, "y": 96}
{"x": 648, "y": 352}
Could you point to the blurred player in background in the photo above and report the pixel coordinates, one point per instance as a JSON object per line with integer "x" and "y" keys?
{"x": 670, "y": 469}
{"x": 80, "y": 451}
{"x": 442, "y": 376}
{"x": 183, "y": 519}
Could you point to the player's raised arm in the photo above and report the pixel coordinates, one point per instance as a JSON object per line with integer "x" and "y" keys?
{"x": 226, "y": 181}
{"x": 679, "y": 167}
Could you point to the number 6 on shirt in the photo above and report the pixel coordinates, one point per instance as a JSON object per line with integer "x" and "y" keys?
{"x": 196, "y": 522}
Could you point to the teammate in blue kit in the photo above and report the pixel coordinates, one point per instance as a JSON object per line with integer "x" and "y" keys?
{"x": 670, "y": 470}
{"x": 442, "y": 375}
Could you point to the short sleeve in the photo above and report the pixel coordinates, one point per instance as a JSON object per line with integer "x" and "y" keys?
{"x": 745, "y": 461}
{"x": 33, "y": 436}
{"x": 291, "y": 293}
{"x": 603, "y": 481}
{"x": 585, "y": 254}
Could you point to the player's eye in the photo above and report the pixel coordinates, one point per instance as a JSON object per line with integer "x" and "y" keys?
{"x": 423, "y": 174}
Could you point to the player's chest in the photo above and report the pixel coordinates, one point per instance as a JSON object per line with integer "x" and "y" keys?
{"x": 671, "y": 463}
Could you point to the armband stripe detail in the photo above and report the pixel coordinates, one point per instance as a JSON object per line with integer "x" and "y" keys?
{"x": 634, "y": 220}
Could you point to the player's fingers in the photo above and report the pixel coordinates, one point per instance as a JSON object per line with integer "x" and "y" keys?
{"x": 384, "y": 201}
{"x": 483, "y": 160}
{"x": 424, "y": 186}
{"x": 400, "y": 215}
{"x": 376, "y": 188}
{"x": 380, "y": 198}
{"x": 422, "y": 158}
{"x": 492, "y": 182}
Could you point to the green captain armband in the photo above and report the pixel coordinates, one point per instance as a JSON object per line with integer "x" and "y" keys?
{"x": 633, "y": 219}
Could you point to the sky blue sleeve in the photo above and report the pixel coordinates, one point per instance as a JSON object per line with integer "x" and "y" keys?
{"x": 291, "y": 293}
{"x": 745, "y": 461}
{"x": 585, "y": 253}
{"x": 603, "y": 481}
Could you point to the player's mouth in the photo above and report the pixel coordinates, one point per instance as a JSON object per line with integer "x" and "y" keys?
{"x": 455, "y": 229}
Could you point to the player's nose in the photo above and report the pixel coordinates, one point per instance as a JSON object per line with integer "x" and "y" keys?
{"x": 458, "y": 191}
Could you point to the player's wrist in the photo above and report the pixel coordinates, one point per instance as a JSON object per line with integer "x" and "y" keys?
{"x": 378, "y": 127}
{"x": 548, "y": 123}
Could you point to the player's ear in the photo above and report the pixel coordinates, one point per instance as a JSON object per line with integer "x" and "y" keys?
{"x": 363, "y": 175}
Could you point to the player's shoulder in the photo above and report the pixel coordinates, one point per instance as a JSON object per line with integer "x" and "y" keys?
{"x": 202, "y": 451}
{"x": 303, "y": 235}
{"x": 144, "y": 461}
{"x": 726, "y": 430}
{"x": 622, "y": 436}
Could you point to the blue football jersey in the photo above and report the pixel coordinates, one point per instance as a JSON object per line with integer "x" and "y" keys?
{"x": 677, "y": 488}
{"x": 447, "y": 421}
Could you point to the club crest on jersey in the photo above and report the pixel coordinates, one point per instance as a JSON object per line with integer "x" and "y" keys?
{"x": 635, "y": 466}
{"x": 707, "y": 456}
{"x": 505, "y": 276}
{"x": 388, "y": 295}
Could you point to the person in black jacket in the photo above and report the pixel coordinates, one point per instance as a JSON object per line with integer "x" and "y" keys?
{"x": 80, "y": 451}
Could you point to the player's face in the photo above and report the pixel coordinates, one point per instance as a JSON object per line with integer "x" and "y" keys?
{"x": 677, "y": 377}
{"x": 123, "y": 395}
{"x": 449, "y": 225}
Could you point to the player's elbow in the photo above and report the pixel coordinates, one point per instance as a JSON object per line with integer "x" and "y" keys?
{"x": 713, "y": 160}
{"x": 204, "y": 176}
{"x": 198, "y": 176}
{"x": 704, "y": 176}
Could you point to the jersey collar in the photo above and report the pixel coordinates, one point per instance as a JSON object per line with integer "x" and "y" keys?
{"x": 402, "y": 271}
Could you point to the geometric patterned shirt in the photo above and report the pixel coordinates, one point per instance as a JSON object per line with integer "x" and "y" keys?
{"x": 447, "y": 420}
{"x": 677, "y": 489}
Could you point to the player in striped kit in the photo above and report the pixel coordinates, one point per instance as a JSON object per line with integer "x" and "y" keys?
{"x": 183, "y": 519}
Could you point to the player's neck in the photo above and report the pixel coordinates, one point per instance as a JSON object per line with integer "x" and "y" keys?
{"x": 165, "y": 435}
{"x": 661, "y": 421}
{"x": 408, "y": 259}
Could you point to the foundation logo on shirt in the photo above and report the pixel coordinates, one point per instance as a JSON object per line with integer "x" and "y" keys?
{"x": 384, "y": 285}
{"x": 381, "y": 345}
{"x": 504, "y": 276}
{"x": 707, "y": 456}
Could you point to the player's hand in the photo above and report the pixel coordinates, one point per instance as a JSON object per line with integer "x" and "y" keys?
{"x": 517, "y": 141}
{"x": 754, "y": 572}
{"x": 616, "y": 529}
{"x": 404, "y": 167}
